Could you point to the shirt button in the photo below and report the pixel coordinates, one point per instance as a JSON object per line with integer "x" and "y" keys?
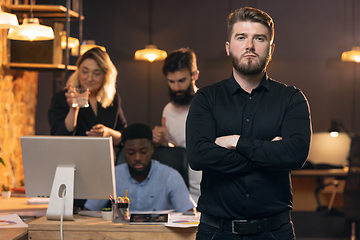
{"x": 247, "y": 195}
{"x": 250, "y": 98}
{"x": 248, "y": 120}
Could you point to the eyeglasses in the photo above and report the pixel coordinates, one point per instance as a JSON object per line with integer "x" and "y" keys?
{"x": 94, "y": 74}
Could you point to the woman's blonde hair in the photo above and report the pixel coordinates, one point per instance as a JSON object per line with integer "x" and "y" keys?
{"x": 107, "y": 92}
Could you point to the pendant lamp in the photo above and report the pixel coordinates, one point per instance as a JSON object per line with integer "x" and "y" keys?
{"x": 351, "y": 56}
{"x": 31, "y": 30}
{"x": 354, "y": 54}
{"x": 7, "y": 20}
{"x": 89, "y": 44}
{"x": 150, "y": 52}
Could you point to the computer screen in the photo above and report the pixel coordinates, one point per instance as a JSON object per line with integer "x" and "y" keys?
{"x": 84, "y": 166}
{"x": 328, "y": 150}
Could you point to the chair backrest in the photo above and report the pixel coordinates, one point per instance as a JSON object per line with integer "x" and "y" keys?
{"x": 352, "y": 184}
{"x": 174, "y": 157}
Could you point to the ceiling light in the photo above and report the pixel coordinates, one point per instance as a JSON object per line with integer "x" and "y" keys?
{"x": 31, "y": 30}
{"x": 73, "y": 42}
{"x": 89, "y": 44}
{"x": 150, "y": 52}
{"x": 8, "y": 20}
{"x": 351, "y": 56}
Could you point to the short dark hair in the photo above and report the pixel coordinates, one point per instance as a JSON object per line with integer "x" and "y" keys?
{"x": 252, "y": 15}
{"x": 180, "y": 59}
{"x": 136, "y": 131}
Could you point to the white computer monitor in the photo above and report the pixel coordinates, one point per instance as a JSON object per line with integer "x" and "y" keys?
{"x": 84, "y": 166}
{"x": 328, "y": 150}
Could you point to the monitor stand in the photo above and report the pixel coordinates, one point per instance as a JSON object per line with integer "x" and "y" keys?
{"x": 63, "y": 179}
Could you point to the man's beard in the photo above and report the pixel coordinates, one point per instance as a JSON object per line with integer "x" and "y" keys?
{"x": 134, "y": 172}
{"x": 250, "y": 67}
{"x": 184, "y": 99}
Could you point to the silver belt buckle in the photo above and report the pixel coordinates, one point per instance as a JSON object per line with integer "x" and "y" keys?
{"x": 233, "y": 225}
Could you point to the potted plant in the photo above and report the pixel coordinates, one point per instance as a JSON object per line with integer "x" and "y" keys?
{"x": 106, "y": 214}
{"x": 5, "y": 191}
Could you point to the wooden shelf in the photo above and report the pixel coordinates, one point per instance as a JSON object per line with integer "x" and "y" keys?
{"x": 43, "y": 11}
{"x": 40, "y": 66}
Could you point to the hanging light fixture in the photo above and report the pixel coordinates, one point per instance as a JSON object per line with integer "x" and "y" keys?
{"x": 73, "y": 42}
{"x": 31, "y": 30}
{"x": 150, "y": 52}
{"x": 8, "y": 20}
{"x": 354, "y": 54}
{"x": 89, "y": 44}
{"x": 351, "y": 56}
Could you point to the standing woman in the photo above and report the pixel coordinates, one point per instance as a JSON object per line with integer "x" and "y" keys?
{"x": 104, "y": 117}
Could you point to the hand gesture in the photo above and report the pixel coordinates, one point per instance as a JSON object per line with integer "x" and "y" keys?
{"x": 159, "y": 134}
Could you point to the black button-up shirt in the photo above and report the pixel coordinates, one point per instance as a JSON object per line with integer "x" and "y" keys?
{"x": 252, "y": 181}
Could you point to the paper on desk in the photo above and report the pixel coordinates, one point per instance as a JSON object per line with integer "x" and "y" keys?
{"x": 183, "y": 221}
{"x": 11, "y": 221}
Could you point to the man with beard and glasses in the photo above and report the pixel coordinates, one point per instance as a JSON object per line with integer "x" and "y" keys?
{"x": 180, "y": 70}
{"x": 151, "y": 186}
{"x": 246, "y": 134}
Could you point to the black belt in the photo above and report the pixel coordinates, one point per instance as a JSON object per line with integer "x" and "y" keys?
{"x": 247, "y": 226}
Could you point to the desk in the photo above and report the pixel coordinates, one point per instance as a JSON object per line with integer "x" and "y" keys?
{"x": 337, "y": 173}
{"x": 95, "y": 228}
{"x": 305, "y": 181}
{"x": 17, "y": 205}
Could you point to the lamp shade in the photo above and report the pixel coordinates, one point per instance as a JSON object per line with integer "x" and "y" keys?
{"x": 31, "y": 30}
{"x": 8, "y": 20}
{"x": 351, "y": 56}
{"x": 88, "y": 44}
{"x": 73, "y": 42}
{"x": 150, "y": 53}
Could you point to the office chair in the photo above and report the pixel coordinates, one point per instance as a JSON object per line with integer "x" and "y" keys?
{"x": 174, "y": 157}
{"x": 352, "y": 187}
{"x": 328, "y": 152}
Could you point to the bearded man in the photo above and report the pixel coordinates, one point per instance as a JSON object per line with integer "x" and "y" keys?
{"x": 246, "y": 134}
{"x": 181, "y": 72}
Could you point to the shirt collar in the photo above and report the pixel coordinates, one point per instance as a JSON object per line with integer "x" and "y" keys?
{"x": 234, "y": 86}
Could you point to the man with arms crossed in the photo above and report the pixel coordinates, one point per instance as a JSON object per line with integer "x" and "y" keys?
{"x": 246, "y": 134}
{"x": 180, "y": 70}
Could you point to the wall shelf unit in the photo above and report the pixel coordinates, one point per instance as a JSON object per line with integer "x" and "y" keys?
{"x": 57, "y": 16}
{"x": 43, "y": 11}
{"x": 39, "y": 66}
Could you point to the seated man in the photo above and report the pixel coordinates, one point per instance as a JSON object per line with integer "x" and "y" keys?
{"x": 151, "y": 186}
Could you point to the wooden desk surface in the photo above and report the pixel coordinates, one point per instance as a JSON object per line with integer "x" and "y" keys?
{"x": 13, "y": 233}
{"x": 340, "y": 172}
{"x": 17, "y": 205}
{"x": 95, "y": 228}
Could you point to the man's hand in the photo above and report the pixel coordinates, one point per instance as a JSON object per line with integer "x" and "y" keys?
{"x": 229, "y": 142}
{"x": 276, "y": 139}
{"x": 159, "y": 134}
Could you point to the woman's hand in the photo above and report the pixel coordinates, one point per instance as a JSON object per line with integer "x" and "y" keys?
{"x": 71, "y": 117}
{"x": 70, "y": 96}
{"x": 99, "y": 130}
